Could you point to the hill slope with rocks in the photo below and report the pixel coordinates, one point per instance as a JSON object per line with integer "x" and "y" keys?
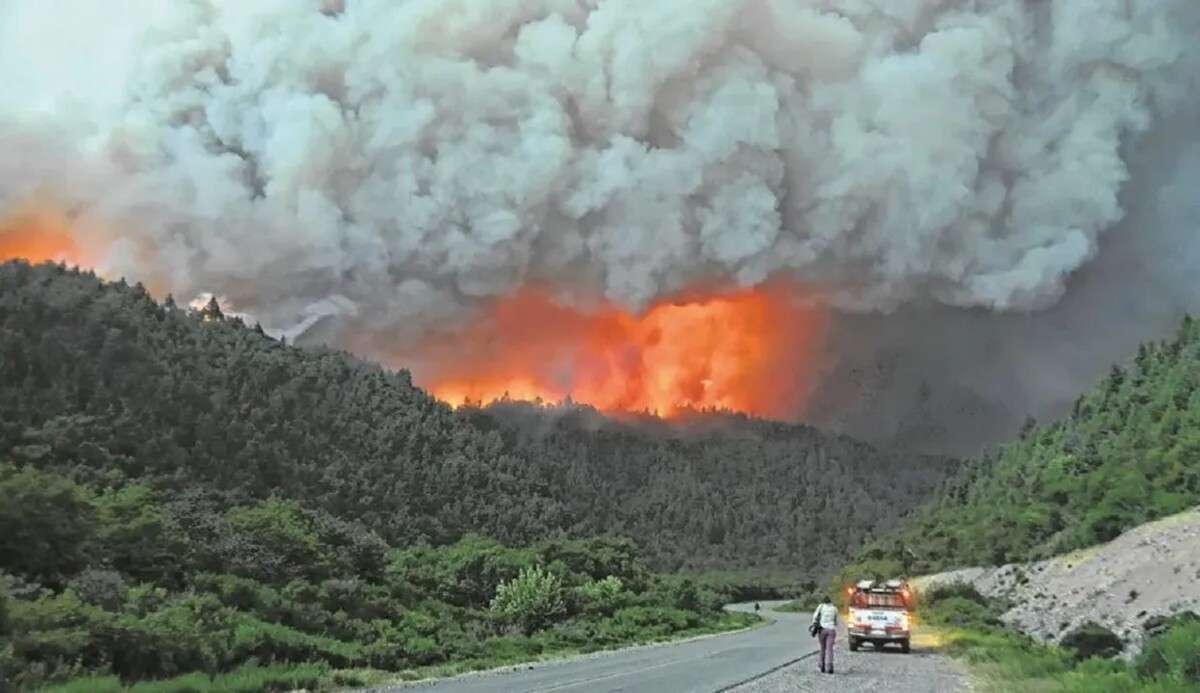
{"x": 1127, "y": 585}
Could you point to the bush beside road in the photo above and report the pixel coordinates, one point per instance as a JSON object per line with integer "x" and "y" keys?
{"x": 109, "y": 588}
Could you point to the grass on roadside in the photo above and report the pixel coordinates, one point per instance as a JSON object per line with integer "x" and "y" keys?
{"x": 801, "y": 605}
{"x": 255, "y": 677}
{"x": 250, "y": 678}
{"x": 731, "y": 622}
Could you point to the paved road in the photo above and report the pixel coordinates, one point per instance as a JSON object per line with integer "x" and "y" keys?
{"x": 704, "y": 665}
{"x": 776, "y": 658}
{"x": 867, "y": 671}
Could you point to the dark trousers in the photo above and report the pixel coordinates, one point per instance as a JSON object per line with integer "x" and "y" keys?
{"x": 826, "y": 639}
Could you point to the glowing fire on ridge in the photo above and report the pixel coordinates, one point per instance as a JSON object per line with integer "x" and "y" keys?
{"x": 40, "y": 236}
{"x": 42, "y": 232}
{"x": 751, "y": 351}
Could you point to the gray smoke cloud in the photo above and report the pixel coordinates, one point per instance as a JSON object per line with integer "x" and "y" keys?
{"x": 941, "y": 379}
{"x": 939, "y": 169}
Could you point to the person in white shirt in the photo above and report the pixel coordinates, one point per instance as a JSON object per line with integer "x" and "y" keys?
{"x": 826, "y": 618}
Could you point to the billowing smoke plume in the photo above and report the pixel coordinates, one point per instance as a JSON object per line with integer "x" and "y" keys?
{"x": 944, "y": 379}
{"x": 393, "y": 164}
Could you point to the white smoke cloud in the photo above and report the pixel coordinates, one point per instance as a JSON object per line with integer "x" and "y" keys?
{"x": 397, "y": 162}
{"x": 417, "y": 156}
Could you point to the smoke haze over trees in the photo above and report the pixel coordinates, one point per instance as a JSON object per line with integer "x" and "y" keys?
{"x": 1128, "y": 452}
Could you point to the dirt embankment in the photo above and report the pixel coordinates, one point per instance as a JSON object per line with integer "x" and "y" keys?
{"x": 1151, "y": 570}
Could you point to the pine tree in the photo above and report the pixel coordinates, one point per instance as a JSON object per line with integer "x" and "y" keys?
{"x": 212, "y": 310}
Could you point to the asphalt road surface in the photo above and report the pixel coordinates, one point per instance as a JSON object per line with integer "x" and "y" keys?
{"x": 867, "y": 671}
{"x": 776, "y": 658}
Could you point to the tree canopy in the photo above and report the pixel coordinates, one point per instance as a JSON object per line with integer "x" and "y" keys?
{"x": 100, "y": 382}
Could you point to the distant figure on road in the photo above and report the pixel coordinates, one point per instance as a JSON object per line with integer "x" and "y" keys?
{"x": 826, "y": 619}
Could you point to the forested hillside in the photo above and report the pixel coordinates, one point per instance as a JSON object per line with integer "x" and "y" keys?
{"x": 1129, "y": 452}
{"x": 101, "y": 383}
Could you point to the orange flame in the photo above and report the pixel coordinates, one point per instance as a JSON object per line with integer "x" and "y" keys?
{"x": 40, "y": 236}
{"x": 751, "y": 351}
{"x": 45, "y": 233}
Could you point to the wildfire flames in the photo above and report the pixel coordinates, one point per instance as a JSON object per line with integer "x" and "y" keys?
{"x": 39, "y": 236}
{"x": 43, "y": 233}
{"x": 749, "y": 351}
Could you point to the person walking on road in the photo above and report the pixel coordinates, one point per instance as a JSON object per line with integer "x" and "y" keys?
{"x": 825, "y": 619}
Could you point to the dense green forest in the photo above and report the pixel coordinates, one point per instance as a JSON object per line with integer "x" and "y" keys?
{"x": 1128, "y": 453}
{"x": 98, "y": 380}
{"x": 106, "y": 584}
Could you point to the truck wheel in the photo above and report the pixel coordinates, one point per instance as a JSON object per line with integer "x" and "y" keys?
{"x": 854, "y": 644}
{"x": 904, "y": 646}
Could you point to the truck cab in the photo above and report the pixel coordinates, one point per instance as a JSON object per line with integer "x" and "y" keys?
{"x": 880, "y": 613}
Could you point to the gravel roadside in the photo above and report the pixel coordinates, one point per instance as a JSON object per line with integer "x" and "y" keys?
{"x": 867, "y": 671}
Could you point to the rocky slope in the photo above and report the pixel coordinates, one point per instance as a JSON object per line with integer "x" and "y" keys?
{"x": 1150, "y": 571}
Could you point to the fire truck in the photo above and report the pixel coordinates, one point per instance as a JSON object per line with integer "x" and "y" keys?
{"x": 880, "y": 613}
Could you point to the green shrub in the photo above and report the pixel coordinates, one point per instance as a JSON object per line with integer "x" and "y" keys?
{"x": 579, "y": 634}
{"x": 138, "y": 538}
{"x": 103, "y": 588}
{"x": 963, "y": 590}
{"x": 962, "y": 613}
{"x": 1174, "y": 655}
{"x": 47, "y": 525}
{"x": 58, "y": 633}
{"x": 276, "y": 589}
{"x": 1157, "y": 625}
{"x": 192, "y": 633}
{"x": 240, "y": 593}
{"x": 531, "y": 601}
{"x": 1093, "y": 640}
{"x": 279, "y": 542}
{"x": 90, "y": 684}
{"x": 11, "y": 668}
{"x": 273, "y": 643}
{"x": 5, "y": 619}
{"x": 602, "y": 596}
{"x": 641, "y": 622}
{"x": 253, "y": 678}
{"x": 146, "y": 599}
{"x": 807, "y": 601}
{"x": 510, "y": 648}
{"x": 247, "y": 679}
